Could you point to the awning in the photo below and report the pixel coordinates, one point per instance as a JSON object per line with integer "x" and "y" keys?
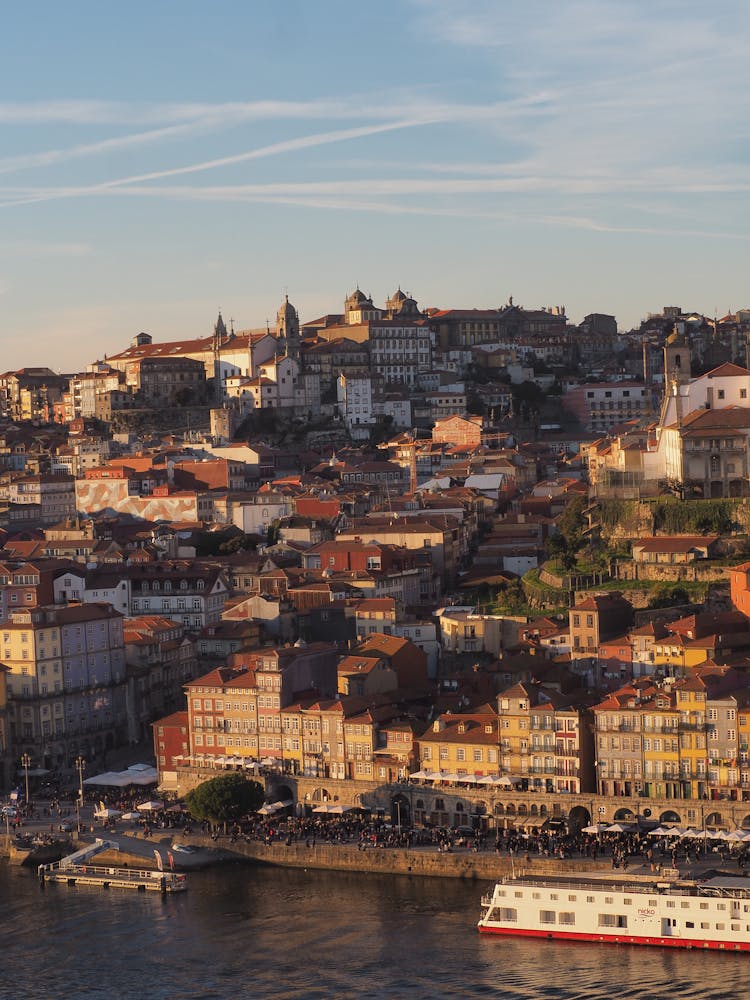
{"x": 110, "y": 779}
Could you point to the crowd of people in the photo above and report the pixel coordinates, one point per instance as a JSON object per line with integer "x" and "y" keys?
{"x": 367, "y": 831}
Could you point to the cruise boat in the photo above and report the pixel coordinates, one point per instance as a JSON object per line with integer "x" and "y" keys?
{"x": 678, "y": 913}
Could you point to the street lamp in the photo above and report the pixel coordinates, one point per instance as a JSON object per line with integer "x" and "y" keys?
{"x": 26, "y": 764}
{"x": 80, "y": 767}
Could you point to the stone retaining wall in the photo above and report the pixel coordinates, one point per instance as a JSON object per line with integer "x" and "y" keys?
{"x": 395, "y": 861}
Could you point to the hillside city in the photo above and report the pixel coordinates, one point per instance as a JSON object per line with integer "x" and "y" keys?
{"x": 473, "y": 547}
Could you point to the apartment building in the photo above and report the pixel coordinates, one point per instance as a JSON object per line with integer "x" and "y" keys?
{"x": 66, "y": 678}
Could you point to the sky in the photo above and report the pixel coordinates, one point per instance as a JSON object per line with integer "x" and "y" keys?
{"x": 160, "y": 161}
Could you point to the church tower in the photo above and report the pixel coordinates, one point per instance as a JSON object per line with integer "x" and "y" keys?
{"x": 677, "y": 360}
{"x": 218, "y": 338}
{"x": 287, "y": 329}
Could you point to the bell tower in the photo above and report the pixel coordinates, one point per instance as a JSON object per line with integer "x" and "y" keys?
{"x": 677, "y": 358}
{"x": 287, "y": 329}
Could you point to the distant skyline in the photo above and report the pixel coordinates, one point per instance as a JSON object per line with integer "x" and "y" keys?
{"x": 161, "y": 161}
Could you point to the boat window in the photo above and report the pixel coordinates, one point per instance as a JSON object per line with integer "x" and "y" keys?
{"x": 705, "y": 926}
{"x": 572, "y": 899}
{"x": 509, "y": 914}
{"x": 536, "y": 895}
{"x": 704, "y": 906}
{"x": 627, "y": 902}
{"x": 566, "y": 918}
{"x": 670, "y": 904}
{"x": 735, "y": 927}
{"x": 689, "y": 923}
{"x": 518, "y": 895}
{"x": 612, "y": 920}
{"x": 685, "y": 905}
{"x": 608, "y": 899}
{"x": 547, "y": 916}
{"x": 553, "y": 895}
{"x": 589, "y": 899}
{"x": 501, "y": 892}
{"x": 652, "y": 902}
{"x": 721, "y": 906}
{"x": 720, "y": 927}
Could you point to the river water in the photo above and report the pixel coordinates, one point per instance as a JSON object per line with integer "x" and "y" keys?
{"x": 243, "y": 931}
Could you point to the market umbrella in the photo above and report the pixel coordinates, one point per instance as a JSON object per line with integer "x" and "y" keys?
{"x": 107, "y": 813}
{"x": 153, "y": 805}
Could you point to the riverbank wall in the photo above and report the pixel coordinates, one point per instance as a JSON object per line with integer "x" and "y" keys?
{"x": 457, "y": 863}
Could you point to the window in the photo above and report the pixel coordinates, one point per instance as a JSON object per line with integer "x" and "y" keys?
{"x": 547, "y": 916}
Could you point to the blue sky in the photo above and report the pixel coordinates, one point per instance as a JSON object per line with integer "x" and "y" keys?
{"x": 161, "y": 160}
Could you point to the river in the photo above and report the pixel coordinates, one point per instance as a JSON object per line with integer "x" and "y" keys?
{"x": 243, "y": 931}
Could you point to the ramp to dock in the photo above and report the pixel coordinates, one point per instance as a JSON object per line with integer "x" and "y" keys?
{"x": 85, "y": 854}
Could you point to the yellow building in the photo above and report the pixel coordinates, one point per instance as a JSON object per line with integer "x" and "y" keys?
{"x": 5, "y": 750}
{"x": 462, "y": 745}
{"x": 638, "y": 737}
{"x": 682, "y": 741}
{"x": 32, "y": 654}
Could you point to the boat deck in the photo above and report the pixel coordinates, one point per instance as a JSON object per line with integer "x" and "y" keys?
{"x": 104, "y": 877}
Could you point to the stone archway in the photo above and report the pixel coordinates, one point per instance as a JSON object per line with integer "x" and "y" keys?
{"x": 283, "y": 793}
{"x": 625, "y": 815}
{"x": 321, "y": 795}
{"x": 715, "y": 819}
{"x": 578, "y": 817}
{"x": 745, "y": 823}
{"x": 400, "y": 811}
{"x": 670, "y": 816}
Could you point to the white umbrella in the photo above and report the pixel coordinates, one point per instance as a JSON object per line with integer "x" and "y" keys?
{"x": 131, "y": 815}
{"x": 619, "y": 828}
{"x": 267, "y": 809}
{"x": 738, "y": 835}
{"x": 107, "y": 813}
{"x": 322, "y": 809}
{"x": 153, "y": 805}
{"x": 674, "y": 831}
{"x": 660, "y": 831}
{"x": 419, "y": 775}
{"x": 595, "y": 828}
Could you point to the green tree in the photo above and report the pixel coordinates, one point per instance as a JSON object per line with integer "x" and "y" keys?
{"x": 571, "y": 523}
{"x": 225, "y": 799}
